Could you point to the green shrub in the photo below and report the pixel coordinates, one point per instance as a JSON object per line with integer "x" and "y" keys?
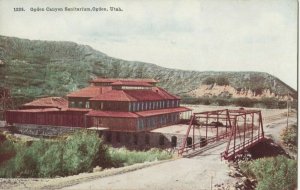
{"x": 222, "y": 81}
{"x": 270, "y": 103}
{"x": 209, "y": 81}
{"x": 80, "y": 152}
{"x": 50, "y": 163}
{"x": 123, "y": 157}
{"x": 14, "y": 166}
{"x": 289, "y": 137}
{"x": 244, "y": 102}
{"x": 278, "y": 173}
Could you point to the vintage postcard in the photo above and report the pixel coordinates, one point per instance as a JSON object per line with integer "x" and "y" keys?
{"x": 136, "y": 94}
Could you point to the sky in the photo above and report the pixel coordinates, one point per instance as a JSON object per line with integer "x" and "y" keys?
{"x": 200, "y": 35}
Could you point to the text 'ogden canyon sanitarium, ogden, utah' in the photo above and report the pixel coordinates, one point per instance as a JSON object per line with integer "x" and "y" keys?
{"x": 72, "y": 9}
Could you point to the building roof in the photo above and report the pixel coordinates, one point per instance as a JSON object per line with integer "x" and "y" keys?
{"x": 114, "y": 95}
{"x": 51, "y": 110}
{"x": 35, "y": 110}
{"x": 115, "y": 114}
{"x": 131, "y": 83}
{"x": 164, "y": 93}
{"x": 90, "y": 91}
{"x": 49, "y": 102}
{"x": 149, "y": 113}
{"x": 155, "y": 94}
{"x": 111, "y": 80}
{"x": 144, "y": 95}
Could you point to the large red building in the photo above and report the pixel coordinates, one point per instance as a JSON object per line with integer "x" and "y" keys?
{"x": 116, "y": 104}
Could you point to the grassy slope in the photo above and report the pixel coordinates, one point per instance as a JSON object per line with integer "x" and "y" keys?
{"x": 43, "y": 68}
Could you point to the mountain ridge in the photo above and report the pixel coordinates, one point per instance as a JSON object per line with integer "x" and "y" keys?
{"x": 37, "y": 68}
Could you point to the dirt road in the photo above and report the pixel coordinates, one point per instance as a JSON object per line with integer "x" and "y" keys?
{"x": 200, "y": 172}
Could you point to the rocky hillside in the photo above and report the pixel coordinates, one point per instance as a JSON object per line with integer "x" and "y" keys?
{"x": 32, "y": 68}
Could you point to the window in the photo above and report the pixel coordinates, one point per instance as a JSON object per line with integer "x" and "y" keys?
{"x": 108, "y": 137}
{"x": 147, "y": 139}
{"x": 163, "y": 104}
{"x": 135, "y": 139}
{"x": 133, "y": 106}
{"x": 189, "y": 141}
{"x": 129, "y": 105}
{"x": 167, "y": 103}
{"x": 118, "y": 139}
{"x": 127, "y": 138}
{"x": 138, "y": 106}
{"x": 87, "y": 104}
{"x": 146, "y": 105}
{"x": 72, "y": 104}
{"x": 101, "y": 106}
{"x": 140, "y": 124}
{"x": 80, "y": 105}
{"x": 174, "y": 141}
{"x": 161, "y": 140}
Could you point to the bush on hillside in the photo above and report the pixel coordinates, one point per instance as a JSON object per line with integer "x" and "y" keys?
{"x": 209, "y": 81}
{"x": 244, "y": 102}
{"x": 272, "y": 173}
{"x": 270, "y": 103}
{"x": 222, "y": 81}
{"x": 289, "y": 137}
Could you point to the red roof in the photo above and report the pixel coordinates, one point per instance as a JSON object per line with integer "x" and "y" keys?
{"x": 114, "y": 95}
{"x": 49, "y": 102}
{"x": 111, "y": 80}
{"x": 162, "y": 111}
{"x": 90, "y": 91}
{"x": 155, "y": 94}
{"x": 164, "y": 93}
{"x": 112, "y": 114}
{"x": 144, "y": 95}
{"x": 35, "y": 110}
{"x": 130, "y": 83}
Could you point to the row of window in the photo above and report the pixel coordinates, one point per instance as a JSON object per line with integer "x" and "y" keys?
{"x": 79, "y": 104}
{"x": 161, "y": 140}
{"x": 132, "y": 88}
{"x": 157, "y": 121}
{"x": 153, "y": 105}
{"x": 132, "y": 106}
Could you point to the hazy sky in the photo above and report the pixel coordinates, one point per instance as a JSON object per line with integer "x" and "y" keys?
{"x": 203, "y": 35}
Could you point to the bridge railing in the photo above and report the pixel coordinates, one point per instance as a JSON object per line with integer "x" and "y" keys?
{"x": 203, "y": 142}
{"x": 242, "y": 146}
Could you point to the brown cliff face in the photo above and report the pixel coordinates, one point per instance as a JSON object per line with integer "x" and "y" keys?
{"x": 228, "y": 91}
